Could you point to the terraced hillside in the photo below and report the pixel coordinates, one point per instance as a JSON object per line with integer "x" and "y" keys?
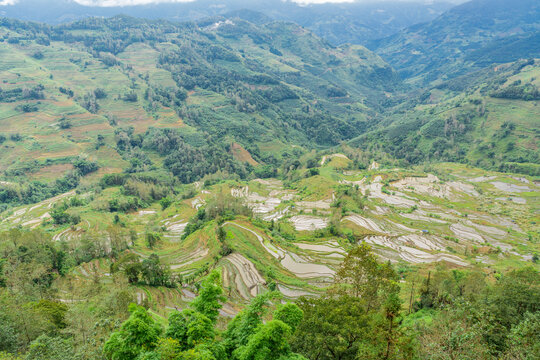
{"x": 297, "y": 232}
{"x": 487, "y": 119}
{"x": 66, "y": 91}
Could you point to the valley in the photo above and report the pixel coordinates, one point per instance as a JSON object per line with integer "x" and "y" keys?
{"x": 269, "y": 181}
{"x": 296, "y": 236}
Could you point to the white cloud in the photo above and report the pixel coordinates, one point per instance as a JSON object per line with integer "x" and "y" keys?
{"x": 307, "y": 2}
{"x": 111, "y": 3}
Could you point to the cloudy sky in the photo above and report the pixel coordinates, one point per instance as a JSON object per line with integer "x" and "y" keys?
{"x": 144, "y": 2}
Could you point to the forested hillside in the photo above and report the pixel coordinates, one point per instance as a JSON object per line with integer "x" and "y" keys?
{"x": 488, "y": 119}
{"x": 348, "y": 22}
{"x": 112, "y": 94}
{"x": 238, "y": 188}
{"x": 465, "y": 38}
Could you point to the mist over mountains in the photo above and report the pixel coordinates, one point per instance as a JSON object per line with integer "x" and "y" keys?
{"x": 356, "y": 22}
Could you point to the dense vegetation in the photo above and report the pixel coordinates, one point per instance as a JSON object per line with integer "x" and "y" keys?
{"x": 209, "y": 189}
{"x": 470, "y": 36}
{"x": 205, "y": 88}
{"x": 363, "y": 315}
{"x": 463, "y": 120}
{"x": 354, "y": 23}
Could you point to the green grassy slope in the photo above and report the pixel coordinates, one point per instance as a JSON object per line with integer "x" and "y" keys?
{"x": 64, "y": 86}
{"x": 488, "y": 119}
{"x": 455, "y": 216}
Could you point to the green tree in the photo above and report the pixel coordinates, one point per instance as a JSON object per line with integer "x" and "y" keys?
{"x": 524, "y": 339}
{"x": 332, "y": 327}
{"x": 54, "y": 311}
{"x": 270, "y": 342}
{"x": 245, "y": 324}
{"x": 361, "y": 275}
{"x": 168, "y": 349}
{"x": 155, "y": 273}
{"x": 130, "y": 264}
{"x": 290, "y": 314}
{"x": 137, "y": 335}
{"x": 165, "y": 202}
{"x": 210, "y": 296}
{"x": 50, "y": 348}
{"x": 452, "y": 335}
{"x": 189, "y": 328}
{"x": 152, "y": 239}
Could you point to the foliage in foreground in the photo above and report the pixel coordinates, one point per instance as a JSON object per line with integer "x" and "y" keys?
{"x": 457, "y": 314}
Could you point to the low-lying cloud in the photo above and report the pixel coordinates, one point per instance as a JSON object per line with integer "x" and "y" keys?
{"x": 112, "y": 3}
{"x": 8, "y": 2}
{"x": 115, "y": 3}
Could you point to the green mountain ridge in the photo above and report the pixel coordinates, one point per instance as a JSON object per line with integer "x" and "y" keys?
{"x": 487, "y": 119}
{"x": 73, "y": 90}
{"x": 465, "y": 38}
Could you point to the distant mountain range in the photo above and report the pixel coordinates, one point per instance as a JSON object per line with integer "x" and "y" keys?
{"x": 355, "y": 23}
{"x": 465, "y": 38}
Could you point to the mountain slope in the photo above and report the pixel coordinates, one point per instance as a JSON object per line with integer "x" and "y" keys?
{"x": 81, "y": 90}
{"x": 488, "y": 119}
{"x": 467, "y": 37}
{"x": 338, "y": 23}
{"x": 292, "y": 237}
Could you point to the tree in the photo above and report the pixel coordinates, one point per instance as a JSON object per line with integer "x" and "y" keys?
{"x": 152, "y": 239}
{"x": 516, "y": 294}
{"x": 131, "y": 265}
{"x": 154, "y": 273}
{"x": 270, "y": 342}
{"x": 332, "y": 328}
{"x": 524, "y": 339}
{"x": 54, "y": 311}
{"x": 245, "y": 324}
{"x": 452, "y": 335}
{"x": 85, "y": 166}
{"x": 165, "y": 202}
{"x": 210, "y": 296}
{"x": 190, "y": 328}
{"x": 362, "y": 276}
{"x": 8, "y": 334}
{"x": 64, "y": 123}
{"x": 168, "y": 349}
{"x": 290, "y": 314}
{"x": 137, "y": 335}
{"x": 50, "y": 348}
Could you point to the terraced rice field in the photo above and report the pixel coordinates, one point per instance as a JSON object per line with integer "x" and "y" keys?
{"x": 416, "y": 219}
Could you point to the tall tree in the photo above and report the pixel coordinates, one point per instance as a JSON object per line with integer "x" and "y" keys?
{"x": 208, "y": 302}
{"x": 362, "y": 276}
{"x": 137, "y": 335}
